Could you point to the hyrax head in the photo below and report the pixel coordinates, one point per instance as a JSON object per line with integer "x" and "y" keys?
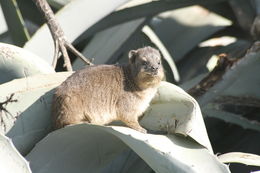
{"x": 146, "y": 68}
{"x": 145, "y": 60}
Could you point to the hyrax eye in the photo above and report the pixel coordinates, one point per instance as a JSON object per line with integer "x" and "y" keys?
{"x": 144, "y": 63}
{"x": 159, "y": 63}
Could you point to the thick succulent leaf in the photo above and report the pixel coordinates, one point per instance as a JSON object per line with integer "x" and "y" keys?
{"x": 3, "y": 25}
{"x": 192, "y": 82}
{"x": 10, "y": 159}
{"x": 244, "y": 12}
{"x": 4, "y": 36}
{"x": 137, "y": 9}
{"x": 93, "y": 148}
{"x": 239, "y": 157}
{"x": 28, "y": 119}
{"x": 15, "y": 22}
{"x": 180, "y": 31}
{"x": 116, "y": 36}
{"x": 58, "y": 3}
{"x": 91, "y": 11}
{"x": 212, "y": 110}
{"x": 16, "y": 62}
{"x": 174, "y": 111}
{"x": 31, "y": 14}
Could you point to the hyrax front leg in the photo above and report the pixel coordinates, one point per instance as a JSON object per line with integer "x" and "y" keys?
{"x": 134, "y": 124}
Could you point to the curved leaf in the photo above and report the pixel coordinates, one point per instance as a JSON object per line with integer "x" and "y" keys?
{"x": 15, "y": 22}
{"x": 181, "y": 32}
{"x": 138, "y": 9}
{"x": 93, "y": 148}
{"x": 239, "y": 157}
{"x": 10, "y": 159}
{"x": 28, "y": 119}
{"x": 16, "y": 62}
{"x": 172, "y": 110}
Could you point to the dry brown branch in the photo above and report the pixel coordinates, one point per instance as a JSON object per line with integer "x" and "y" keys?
{"x": 8, "y": 100}
{"x": 61, "y": 43}
{"x": 224, "y": 63}
{"x": 4, "y": 110}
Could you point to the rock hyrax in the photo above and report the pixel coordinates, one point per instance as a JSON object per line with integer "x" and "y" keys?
{"x": 103, "y": 93}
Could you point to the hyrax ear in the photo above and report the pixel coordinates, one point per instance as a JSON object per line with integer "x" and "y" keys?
{"x": 132, "y": 56}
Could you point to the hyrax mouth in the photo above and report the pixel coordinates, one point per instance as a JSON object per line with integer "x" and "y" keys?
{"x": 151, "y": 72}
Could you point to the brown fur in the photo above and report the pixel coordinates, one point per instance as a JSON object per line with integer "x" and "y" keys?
{"x": 104, "y": 93}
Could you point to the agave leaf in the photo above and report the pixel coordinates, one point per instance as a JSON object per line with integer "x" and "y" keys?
{"x": 192, "y": 82}
{"x": 28, "y": 119}
{"x": 58, "y": 3}
{"x": 239, "y": 157}
{"x": 3, "y": 25}
{"x": 15, "y": 22}
{"x": 180, "y": 31}
{"x": 116, "y": 37}
{"x": 138, "y": 9}
{"x": 16, "y": 62}
{"x": 244, "y": 12}
{"x": 212, "y": 111}
{"x": 174, "y": 111}
{"x": 10, "y": 159}
{"x": 90, "y": 11}
{"x": 4, "y": 36}
{"x": 75, "y": 148}
{"x": 31, "y": 15}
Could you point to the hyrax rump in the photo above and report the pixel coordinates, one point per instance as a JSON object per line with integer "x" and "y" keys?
{"x": 104, "y": 93}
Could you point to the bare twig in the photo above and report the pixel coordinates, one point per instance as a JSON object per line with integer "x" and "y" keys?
{"x": 60, "y": 41}
{"x": 8, "y": 100}
{"x": 3, "y": 108}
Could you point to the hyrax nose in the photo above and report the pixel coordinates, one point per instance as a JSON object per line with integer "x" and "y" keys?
{"x": 154, "y": 69}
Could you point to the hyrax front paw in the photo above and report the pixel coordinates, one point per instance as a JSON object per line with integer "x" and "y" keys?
{"x": 142, "y": 130}
{"x": 135, "y": 125}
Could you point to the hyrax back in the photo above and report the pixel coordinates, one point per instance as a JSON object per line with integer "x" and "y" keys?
{"x": 104, "y": 93}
